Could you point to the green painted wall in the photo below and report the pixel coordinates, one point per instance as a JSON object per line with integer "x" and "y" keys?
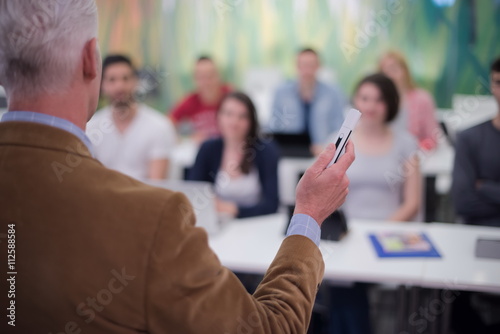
{"x": 449, "y": 48}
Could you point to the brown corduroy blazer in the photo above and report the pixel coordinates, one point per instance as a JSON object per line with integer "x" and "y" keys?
{"x": 99, "y": 252}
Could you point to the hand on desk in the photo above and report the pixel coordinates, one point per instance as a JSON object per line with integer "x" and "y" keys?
{"x": 225, "y": 207}
{"x": 323, "y": 190}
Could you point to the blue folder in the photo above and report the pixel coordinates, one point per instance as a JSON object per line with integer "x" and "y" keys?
{"x": 431, "y": 252}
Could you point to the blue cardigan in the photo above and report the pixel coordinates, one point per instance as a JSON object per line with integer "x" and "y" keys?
{"x": 266, "y": 158}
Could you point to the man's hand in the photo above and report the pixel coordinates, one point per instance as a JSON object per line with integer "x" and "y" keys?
{"x": 316, "y": 149}
{"x": 321, "y": 191}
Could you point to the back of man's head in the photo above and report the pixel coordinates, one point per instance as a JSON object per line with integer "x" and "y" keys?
{"x": 41, "y": 43}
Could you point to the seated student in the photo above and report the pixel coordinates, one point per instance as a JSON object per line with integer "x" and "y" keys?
{"x": 242, "y": 166}
{"x": 385, "y": 185}
{"x": 307, "y": 105}
{"x": 129, "y": 136}
{"x": 385, "y": 178}
{"x": 199, "y": 107}
{"x": 476, "y": 175}
{"x": 417, "y": 105}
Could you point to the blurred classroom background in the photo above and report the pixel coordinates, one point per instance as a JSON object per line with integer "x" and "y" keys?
{"x": 448, "y": 44}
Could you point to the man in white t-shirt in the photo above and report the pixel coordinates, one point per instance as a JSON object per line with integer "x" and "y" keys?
{"x": 128, "y": 136}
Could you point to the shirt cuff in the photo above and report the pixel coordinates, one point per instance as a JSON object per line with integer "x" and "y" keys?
{"x": 305, "y": 225}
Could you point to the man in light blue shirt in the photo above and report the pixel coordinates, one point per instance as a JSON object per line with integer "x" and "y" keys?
{"x": 307, "y": 105}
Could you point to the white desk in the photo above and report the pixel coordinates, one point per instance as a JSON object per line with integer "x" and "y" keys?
{"x": 354, "y": 258}
{"x": 249, "y": 245}
{"x": 459, "y": 269}
{"x": 289, "y": 170}
{"x": 183, "y": 156}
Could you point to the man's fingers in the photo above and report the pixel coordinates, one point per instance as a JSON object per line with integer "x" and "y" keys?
{"x": 347, "y": 159}
{"x": 340, "y": 199}
{"x": 324, "y": 158}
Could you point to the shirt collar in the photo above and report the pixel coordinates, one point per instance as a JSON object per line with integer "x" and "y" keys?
{"x": 57, "y": 122}
{"x": 317, "y": 87}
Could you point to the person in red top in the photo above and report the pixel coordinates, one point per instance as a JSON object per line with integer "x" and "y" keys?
{"x": 200, "y": 107}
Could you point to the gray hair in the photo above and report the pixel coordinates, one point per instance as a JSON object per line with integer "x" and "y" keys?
{"x": 41, "y": 43}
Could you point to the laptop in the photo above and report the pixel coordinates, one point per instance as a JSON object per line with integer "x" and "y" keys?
{"x": 202, "y": 198}
{"x": 293, "y": 145}
{"x": 488, "y": 248}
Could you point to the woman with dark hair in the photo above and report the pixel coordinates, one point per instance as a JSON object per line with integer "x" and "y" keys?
{"x": 385, "y": 184}
{"x": 385, "y": 178}
{"x": 242, "y": 166}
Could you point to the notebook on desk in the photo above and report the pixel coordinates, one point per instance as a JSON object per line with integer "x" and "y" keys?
{"x": 403, "y": 244}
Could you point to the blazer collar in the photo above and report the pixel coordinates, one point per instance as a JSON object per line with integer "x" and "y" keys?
{"x": 41, "y": 136}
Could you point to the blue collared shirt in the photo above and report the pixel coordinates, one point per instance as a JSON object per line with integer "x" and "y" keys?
{"x": 320, "y": 120}
{"x": 36, "y": 117}
{"x": 305, "y": 225}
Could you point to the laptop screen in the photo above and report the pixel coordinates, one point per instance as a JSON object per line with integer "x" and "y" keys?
{"x": 294, "y": 145}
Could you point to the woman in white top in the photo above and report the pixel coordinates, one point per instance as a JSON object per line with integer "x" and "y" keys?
{"x": 385, "y": 177}
{"x": 242, "y": 165}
